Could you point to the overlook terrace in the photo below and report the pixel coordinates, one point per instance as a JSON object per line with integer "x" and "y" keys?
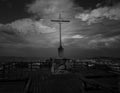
{"x": 87, "y": 73}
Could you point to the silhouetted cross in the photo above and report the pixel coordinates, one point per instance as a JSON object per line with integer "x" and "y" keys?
{"x": 60, "y": 21}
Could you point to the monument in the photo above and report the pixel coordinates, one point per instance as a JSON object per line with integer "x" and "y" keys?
{"x": 58, "y": 65}
{"x": 60, "y": 48}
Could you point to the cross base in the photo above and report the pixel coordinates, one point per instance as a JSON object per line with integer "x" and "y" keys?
{"x": 61, "y": 51}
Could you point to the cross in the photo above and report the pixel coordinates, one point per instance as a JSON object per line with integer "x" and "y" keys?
{"x": 60, "y": 21}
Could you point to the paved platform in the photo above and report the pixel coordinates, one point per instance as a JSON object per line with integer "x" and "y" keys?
{"x": 67, "y": 83}
{"x": 42, "y": 81}
{"x": 12, "y": 86}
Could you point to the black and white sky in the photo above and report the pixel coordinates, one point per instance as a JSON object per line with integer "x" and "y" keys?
{"x": 26, "y": 28}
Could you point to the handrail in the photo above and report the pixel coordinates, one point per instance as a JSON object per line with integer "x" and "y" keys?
{"x": 93, "y": 82}
{"x": 27, "y": 87}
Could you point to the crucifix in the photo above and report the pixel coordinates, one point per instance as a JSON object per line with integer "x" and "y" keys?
{"x": 60, "y": 48}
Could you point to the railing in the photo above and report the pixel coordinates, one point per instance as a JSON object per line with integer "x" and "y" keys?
{"x": 96, "y": 85}
{"x": 6, "y": 68}
{"x": 14, "y": 85}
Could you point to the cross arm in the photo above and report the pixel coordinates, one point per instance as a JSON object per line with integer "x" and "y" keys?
{"x": 60, "y": 21}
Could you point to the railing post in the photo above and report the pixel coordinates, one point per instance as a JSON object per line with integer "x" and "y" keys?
{"x": 3, "y": 72}
{"x": 31, "y": 66}
{"x": 119, "y": 84}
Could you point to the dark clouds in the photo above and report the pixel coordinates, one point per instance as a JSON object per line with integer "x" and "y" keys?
{"x": 92, "y": 4}
{"x": 92, "y": 29}
{"x": 10, "y": 37}
{"x": 51, "y": 8}
{"x": 100, "y": 13}
{"x": 12, "y": 10}
{"x": 27, "y": 32}
{"x": 106, "y": 21}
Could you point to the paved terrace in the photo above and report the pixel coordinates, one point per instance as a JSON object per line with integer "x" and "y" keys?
{"x": 40, "y": 80}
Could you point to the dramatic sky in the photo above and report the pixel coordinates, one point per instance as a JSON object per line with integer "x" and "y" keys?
{"x": 26, "y": 28}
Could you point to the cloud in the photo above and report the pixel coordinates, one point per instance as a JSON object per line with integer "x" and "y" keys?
{"x": 80, "y": 33}
{"x": 42, "y": 33}
{"x": 77, "y": 36}
{"x": 10, "y": 36}
{"x": 100, "y": 42}
{"x": 31, "y": 26}
{"x": 97, "y": 15}
{"x": 77, "y": 33}
{"x": 105, "y": 34}
{"x": 50, "y": 8}
{"x": 26, "y": 32}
